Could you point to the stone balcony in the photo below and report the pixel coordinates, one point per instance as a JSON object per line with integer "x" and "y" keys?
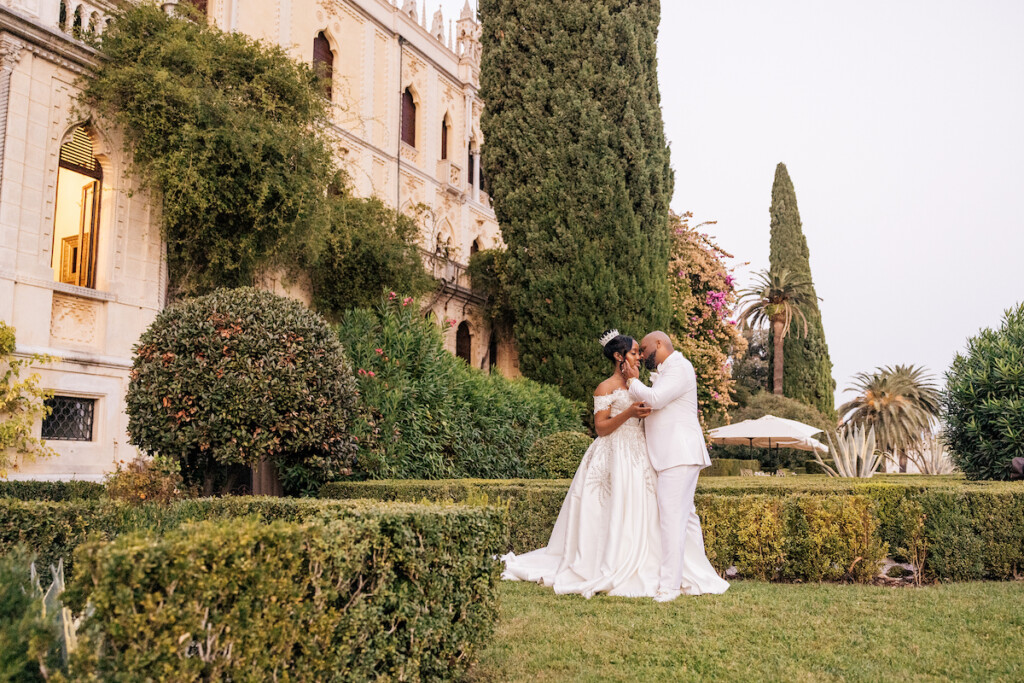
{"x": 74, "y": 18}
{"x": 452, "y": 277}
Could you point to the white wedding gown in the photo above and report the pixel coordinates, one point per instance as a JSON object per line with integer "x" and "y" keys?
{"x": 607, "y": 537}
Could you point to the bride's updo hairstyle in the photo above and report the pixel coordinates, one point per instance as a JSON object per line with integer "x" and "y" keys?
{"x": 614, "y": 343}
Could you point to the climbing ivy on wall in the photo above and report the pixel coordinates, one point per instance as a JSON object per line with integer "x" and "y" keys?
{"x": 229, "y": 132}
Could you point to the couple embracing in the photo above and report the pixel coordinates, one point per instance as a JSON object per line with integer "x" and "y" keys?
{"x": 628, "y": 525}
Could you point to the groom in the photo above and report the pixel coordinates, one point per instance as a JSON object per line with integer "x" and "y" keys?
{"x": 675, "y": 445}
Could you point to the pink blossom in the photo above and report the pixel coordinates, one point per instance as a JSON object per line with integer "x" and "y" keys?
{"x": 406, "y": 301}
{"x": 370, "y": 373}
{"x": 391, "y": 296}
{"x": 380, "y": 352}
{"x": 681, "y": 274}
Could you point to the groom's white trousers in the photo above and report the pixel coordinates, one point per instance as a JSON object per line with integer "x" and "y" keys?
{"x": 676, "y": 487}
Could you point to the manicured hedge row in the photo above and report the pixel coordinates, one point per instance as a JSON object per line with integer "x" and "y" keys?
{"x": 730, "y": 467}
{"x": 360, "y": 592}
{"x": 51, "y": 490}
{"x": 954, "y": 529}
{"x": 53, "y": 530}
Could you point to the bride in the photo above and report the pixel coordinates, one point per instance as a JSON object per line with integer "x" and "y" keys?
{"x": 607, "y": 537}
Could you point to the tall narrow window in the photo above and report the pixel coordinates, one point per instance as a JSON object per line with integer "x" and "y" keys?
{"x": 76, "y": 26}
{"x": 464, "y": 342}
{"x": 492, "y": 352}
{"x": 408, "y": 118}
{"x": 474, "y": 248}
{"x": 469, "y": 165}
{"x": 323, "y": 63}
{"x": 444, "y": 139}
{"x": 76, "y": 218}
{"x": 62, "y": 19}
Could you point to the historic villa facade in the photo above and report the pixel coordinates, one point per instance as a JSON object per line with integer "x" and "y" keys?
{"x": 82, "y": 272}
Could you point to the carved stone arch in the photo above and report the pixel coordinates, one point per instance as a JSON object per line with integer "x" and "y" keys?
{"x": 107, "y": 154}
{"x": 445, "y": 240}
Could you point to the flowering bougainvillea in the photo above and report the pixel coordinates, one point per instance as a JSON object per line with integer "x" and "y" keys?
{"x": 703, "y": 295}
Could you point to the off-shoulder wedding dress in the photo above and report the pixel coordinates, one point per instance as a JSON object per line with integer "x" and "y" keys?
{"x": 607, "y": 538}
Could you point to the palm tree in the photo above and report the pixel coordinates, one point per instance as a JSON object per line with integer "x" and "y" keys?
{"x": 901, "y": 402}
{"x": 776, "y": 299}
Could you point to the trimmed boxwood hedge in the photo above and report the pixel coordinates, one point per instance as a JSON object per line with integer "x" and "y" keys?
{"x": 361, "y": 592}
{"x": 296, "y": 589}
{"x": 800, "y": 528}
{"x": 51, "y": 490}
{"x": 729, "y": 467}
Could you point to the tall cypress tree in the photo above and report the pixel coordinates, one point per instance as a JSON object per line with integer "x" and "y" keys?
{"x": 808, "y": 368}
{"x": 579, "y": 172}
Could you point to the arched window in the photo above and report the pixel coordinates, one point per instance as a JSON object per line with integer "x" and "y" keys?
{"x": 470, "y": 165}
{"x": 444, "y": 137}
{"x": 77, "y": 214}
{"x": 475, "y": 247}
{"x": 62, "y": 20}
{"x": 323, "y": 63}
{"x": 464, "y": 342}
{"x": 76, "y": 27}
{"x": 408, "y": 118}
{"x": 94, "y": 23}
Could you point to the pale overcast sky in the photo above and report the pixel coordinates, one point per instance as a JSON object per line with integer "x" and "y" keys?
{"x": 902, "y": 125}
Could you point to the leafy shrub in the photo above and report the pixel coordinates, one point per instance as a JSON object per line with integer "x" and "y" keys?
{"x": 157, "y": 480}
{"x": 27, "y": 640}
{"x": 558, "y": 455}
{"x": 729, "y": 467}
{"x": 51, "y": 490}
{"x": 428, "y": 414}
{"x": 21, "y": 405}
{"x": 367, "y": 246}
{"x": 801, "y": 528}
{"x": 984, "y": 400}
{"x": 400, "y": 592}
{"x": 240, "y": 375}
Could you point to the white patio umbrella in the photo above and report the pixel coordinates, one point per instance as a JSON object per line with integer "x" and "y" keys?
{"x": 769, "y": 432}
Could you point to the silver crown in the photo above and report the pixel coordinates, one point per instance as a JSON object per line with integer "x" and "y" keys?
{"x": 612, "y": 334}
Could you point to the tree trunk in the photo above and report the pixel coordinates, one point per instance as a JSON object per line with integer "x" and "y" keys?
{"x": 778, "y": 327}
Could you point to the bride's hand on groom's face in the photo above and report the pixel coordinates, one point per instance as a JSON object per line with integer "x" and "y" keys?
{"x": 630, "y": 371}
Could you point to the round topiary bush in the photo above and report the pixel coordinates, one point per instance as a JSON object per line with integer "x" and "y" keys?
{"x": 240, "y": 375}
{"x": 984, "y": 401}
{"x": 557, "y": 455}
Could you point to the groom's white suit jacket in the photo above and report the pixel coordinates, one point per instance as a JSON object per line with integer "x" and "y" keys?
{"x": 674, "y": 436}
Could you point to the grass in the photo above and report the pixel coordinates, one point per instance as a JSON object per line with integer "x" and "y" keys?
{"x": 762, "y": 631}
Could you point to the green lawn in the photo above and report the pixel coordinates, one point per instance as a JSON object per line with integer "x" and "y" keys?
{"x": 761, "y": 631}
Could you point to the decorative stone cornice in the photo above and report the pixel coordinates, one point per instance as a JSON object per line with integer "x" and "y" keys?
{"x": 11, "y": 50}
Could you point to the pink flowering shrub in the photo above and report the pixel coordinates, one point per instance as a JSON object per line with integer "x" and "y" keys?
{"x": 703, "y": 296}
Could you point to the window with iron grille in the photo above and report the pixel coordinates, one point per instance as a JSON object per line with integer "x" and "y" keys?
{"x": 70, "y": 418}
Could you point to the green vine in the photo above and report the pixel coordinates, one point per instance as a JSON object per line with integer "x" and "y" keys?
{"x": 231, "y": 134}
